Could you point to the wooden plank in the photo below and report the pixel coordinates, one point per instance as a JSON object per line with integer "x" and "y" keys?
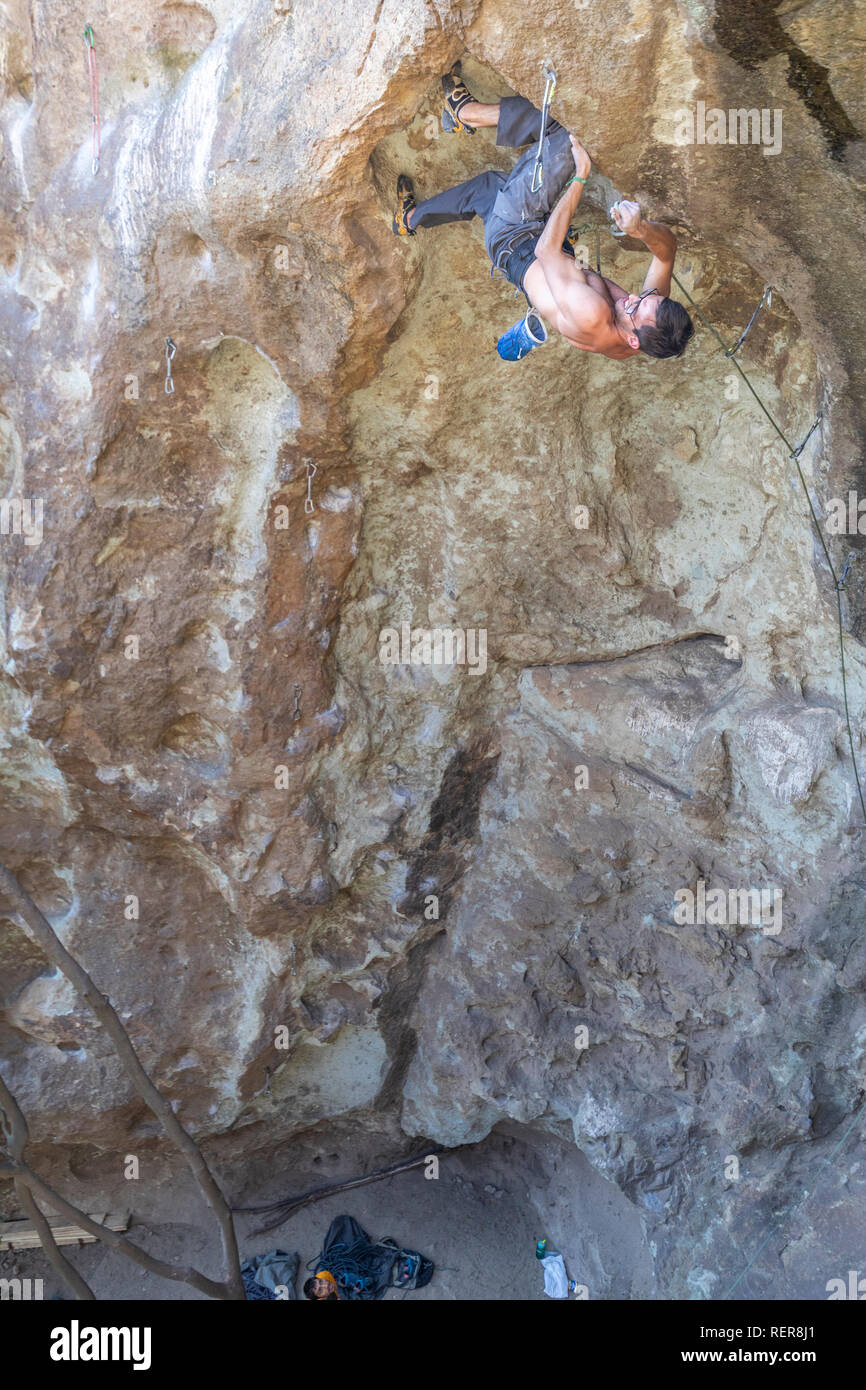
{"x": 20, "y": 1235}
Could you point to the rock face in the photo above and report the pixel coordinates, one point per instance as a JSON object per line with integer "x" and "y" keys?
{"x": 409, "y": 887}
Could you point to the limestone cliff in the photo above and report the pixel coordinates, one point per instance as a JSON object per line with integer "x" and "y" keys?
{"x": 236, "y": 814}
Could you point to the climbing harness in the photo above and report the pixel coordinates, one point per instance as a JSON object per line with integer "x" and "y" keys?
{"x": 549, "y": 88}
{"x": 94, "y": 98}
{"x": 170, "y": 350}
{"x": 766, "y": 299}
{"x": 311, "y": 472}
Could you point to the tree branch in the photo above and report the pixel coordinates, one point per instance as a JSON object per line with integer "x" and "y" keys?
{"x": 18, "y": 1136}
{"x": 57, "y": 953}
{"x": 180, "y": 1273}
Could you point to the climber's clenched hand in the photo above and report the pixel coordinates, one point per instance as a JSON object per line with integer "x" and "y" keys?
{"x": 582, "y": 161}
{"x": 627, "y": 216}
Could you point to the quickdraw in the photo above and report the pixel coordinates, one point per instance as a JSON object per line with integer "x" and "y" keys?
{"x": 170, "y": 350}
{"x": 549, "y": 88}
{"x": 311, "y": 471}
{"x": 795, "y": 453}
{"x": 94, "y": 98}
{"x": 766, "y": 298}
{"x": 840, "y": 582}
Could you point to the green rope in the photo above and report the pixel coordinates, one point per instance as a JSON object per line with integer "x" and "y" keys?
{"x": 573, "y": 234}
{"x": 787, "y": 443}
{"x": 774, "y": 1226}
{"x": 792, "y": 453}
{"x": 839, "y": 584}
{"x": 804, "y": 1198}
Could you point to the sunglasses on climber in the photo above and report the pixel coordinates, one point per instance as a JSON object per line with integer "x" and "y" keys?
{"x": 637, "y": 299}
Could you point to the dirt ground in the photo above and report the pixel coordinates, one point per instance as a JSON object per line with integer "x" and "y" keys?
{"x": 479, "y": 1221}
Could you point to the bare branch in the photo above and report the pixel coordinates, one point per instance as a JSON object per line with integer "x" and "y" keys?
{"x": 18, "y": 1136}
{"x": 181, "y": 1274}
{"x": 287, "y": 1206}
{"x": 57, "y": 953}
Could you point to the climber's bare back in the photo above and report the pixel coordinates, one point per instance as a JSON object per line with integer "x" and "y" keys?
{"x": 589, "y": 324}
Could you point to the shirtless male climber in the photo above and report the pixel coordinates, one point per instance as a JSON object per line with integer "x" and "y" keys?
{"x": 525, "y": 234}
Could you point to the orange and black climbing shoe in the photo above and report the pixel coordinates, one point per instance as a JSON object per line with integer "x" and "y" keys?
{"x": 457, "y": 95}
{"x": 405, "y": 204}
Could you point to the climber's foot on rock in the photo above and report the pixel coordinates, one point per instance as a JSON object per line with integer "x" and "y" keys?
{"x": 457, "y": 97}
{"x": 405, "y": 205}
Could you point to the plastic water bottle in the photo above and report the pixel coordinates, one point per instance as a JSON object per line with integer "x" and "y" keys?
{"x": 540, "y": 1249}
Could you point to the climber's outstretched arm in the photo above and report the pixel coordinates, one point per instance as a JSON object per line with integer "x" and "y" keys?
{"x": 579, "y": 307}
{"x": 656, "y": 237}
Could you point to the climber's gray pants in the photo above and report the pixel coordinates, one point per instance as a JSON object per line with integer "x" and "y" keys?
{"x": 505, "y": 203}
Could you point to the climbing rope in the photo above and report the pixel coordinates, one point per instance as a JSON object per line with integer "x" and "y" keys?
{"x": 94, "y": 98}
{"x": 794, "y": 452}
{"x": 839, "y": 584}
{"x": 789, "y": 1211}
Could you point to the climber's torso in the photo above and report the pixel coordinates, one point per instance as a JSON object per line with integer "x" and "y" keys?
{"x": 602, "y": 337}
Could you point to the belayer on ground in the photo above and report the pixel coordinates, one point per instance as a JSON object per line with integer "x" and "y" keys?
{"x": 352, "y": 1267}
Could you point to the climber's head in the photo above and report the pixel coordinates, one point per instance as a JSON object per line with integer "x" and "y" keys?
{"x": 319, "y": 1289}
{"x": 660, "y": 327}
